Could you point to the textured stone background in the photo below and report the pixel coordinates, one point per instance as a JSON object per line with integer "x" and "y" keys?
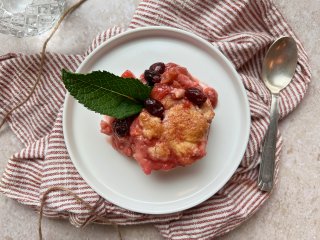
{"x": 292, "y": 212}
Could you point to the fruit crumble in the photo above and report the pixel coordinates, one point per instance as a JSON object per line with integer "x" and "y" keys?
{"x": 172, "y": 128}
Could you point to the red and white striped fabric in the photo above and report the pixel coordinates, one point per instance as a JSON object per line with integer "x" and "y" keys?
{"x": 241, "y": 29}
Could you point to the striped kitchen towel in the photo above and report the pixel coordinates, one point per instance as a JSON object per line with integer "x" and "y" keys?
{"x": 242, "y": 30}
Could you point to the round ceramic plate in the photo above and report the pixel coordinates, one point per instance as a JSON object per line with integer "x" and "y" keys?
{"x": 119, "y": 179}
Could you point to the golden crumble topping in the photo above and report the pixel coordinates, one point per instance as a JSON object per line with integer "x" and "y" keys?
{"x": 182, "y": 129}
{"x": 159, "y": 151}
{"x": 185, "y": 123}
{"x": 151, "y": 126}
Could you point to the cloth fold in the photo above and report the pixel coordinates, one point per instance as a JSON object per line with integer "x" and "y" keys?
{"x": 242, "y": 30}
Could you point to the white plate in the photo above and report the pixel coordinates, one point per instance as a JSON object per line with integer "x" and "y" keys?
{"x": 119, "y": 179}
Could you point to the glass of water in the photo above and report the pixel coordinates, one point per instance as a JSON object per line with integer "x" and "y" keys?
{"x": 22, "y": 18}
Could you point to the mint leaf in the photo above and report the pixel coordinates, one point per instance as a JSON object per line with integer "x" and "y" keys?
{"x": 106, "y": 93}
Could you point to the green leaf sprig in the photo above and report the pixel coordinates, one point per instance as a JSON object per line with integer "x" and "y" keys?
{"x": 106, "y": 93}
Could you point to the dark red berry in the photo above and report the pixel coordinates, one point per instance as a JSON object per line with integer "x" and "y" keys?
{"x": 154, "y": 107}
{"x": 121, "y": 127}
{"x": 195, "y": 96}
{"x": 151, "y": 77}
{"x": 156, "y": 78}
{"x": 148, "y": 75}
{"x": 158, "y": 67}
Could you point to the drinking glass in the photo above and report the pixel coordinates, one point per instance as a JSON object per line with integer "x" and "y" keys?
{"x": 23, "y": 18}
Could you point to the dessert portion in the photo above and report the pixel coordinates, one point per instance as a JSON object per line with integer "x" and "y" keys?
{"x": 172, "y": 128}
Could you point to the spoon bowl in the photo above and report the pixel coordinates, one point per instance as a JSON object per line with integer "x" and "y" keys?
{"x": 278, "y": 69}
{"x": 279, "y": 64}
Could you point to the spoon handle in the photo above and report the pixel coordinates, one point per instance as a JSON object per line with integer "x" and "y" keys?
{"x": 266, "y": 172}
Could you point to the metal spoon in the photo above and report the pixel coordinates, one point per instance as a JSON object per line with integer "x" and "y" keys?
{"x": 278, "y": 68}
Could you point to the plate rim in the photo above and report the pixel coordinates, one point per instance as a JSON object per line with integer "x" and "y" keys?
{"x": 204, "y": 197}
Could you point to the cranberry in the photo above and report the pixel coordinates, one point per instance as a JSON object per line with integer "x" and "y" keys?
{"x": 195, "y": 96}
{"x": 121, "y": 127}
{"x": 151, "y": 77}
{"x": 148, "y": 75}
{"x": 156, "y": 78}
{"x": 158, "y": 67}
{"x": 154, "y": 107}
